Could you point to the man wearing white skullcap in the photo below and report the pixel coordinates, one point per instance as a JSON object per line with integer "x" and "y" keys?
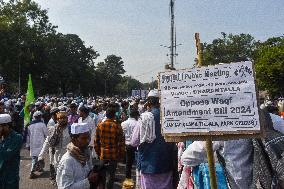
{"x": 155, "y": 156}
{"x": 74, "y": 168}
{"x": 10, "y": 146}
{"x": 37, "y": 132}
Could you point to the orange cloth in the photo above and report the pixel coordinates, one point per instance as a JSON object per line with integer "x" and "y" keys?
{"x": 110, "y": 141}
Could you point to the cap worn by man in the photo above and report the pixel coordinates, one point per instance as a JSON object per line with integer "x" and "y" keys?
{"x": 79, "y": 128}
{"x": 153, "y": 93}
{"x": 5, "y": 118}
{"x": 37, "y": 113}
{"x": 54, "y": 110}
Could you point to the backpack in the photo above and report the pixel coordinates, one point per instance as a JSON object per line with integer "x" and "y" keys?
{"x": 268, "y": 166}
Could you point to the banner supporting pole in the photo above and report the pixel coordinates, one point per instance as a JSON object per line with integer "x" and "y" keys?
{"x": 209, "y": 145}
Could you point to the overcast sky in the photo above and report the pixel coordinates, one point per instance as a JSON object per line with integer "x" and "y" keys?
{"x": 135, "y": 29}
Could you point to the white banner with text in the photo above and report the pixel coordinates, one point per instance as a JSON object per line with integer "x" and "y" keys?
{"x": 215, "y": 98}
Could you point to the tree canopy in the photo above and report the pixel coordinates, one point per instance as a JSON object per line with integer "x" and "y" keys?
{"x": 59, "y": 63}
{"x": 229, "y": 48}
{"x": 268, "y": 57}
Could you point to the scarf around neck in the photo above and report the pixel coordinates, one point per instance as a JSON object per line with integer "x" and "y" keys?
{"x": 77, "y": 153}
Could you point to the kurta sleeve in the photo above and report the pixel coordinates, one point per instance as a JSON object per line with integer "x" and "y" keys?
{"x": 28, "y": 137}
{"x": 65, "y": 177}
{"x": 97, "y": 142}
{"x": 196, "y": 153}
{"x": 44, "y": 148}
{"x": 135, "y": 139}
{"x": 45, "y": 131}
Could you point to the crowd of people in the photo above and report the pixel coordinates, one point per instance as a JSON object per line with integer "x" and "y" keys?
{"x": 85, "y": 138}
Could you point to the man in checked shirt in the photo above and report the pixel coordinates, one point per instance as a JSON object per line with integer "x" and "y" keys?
{"x": 110, "y": 145}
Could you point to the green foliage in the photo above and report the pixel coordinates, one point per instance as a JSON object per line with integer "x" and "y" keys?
{"x": 126, "y": 85}
{"x": 110, "y": 72}
{"x": 59, "y": 63}
{"x": 229, "y": 48}
{"x": 151, "y": 85}
{"x": 269, "y": 59}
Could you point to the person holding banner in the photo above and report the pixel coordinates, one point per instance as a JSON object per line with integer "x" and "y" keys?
{"x": 155, "y": 156}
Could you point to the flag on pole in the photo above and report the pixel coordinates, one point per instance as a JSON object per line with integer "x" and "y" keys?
{"x": 30, "y": 98}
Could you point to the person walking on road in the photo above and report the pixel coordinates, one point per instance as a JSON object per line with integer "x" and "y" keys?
{"x": 110, "y": 145}
{"x": 10, "y": 146}
{"x": 74, "y": 169}
{"x": 37, "y": 132}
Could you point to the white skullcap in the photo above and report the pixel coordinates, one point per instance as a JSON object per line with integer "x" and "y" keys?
{"x": 62, "y": 108}
{"x": 37, "y": 113}
{"x": 78, "y": 128}
{"x": 268, "y": 103}
{"x": 153, "y": 93}
{"x": 37, "y": 104}
{"x": 5, "y": 118}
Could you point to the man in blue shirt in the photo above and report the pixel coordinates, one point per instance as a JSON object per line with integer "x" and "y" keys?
{"x": 10, "y": 146}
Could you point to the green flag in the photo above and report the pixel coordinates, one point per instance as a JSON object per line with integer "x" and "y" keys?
{"x": 30, "y": 98}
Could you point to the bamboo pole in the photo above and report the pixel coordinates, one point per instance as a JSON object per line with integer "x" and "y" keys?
{"x": 209, "y": 145}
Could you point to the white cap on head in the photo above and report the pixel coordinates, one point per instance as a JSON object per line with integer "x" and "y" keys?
{"x": 153, "y": 93}
{"x": 37, "y": 104}
{"x": 37, "y": 113}
{"x": 78, "y": 128}
{"x": 5, "y": 118}
{"x": 268, "y": 103}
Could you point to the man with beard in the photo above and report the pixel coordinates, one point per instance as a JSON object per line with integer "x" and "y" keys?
{"x": 74, "y": 169}
{"x": 10, "y": 146}
{"x": 58, "y": 139}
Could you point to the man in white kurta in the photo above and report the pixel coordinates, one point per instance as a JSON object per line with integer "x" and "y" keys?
{"x": 37, "y": 132}
{"x": 61, "y": 147}
{"x": 86, "y": 118}
{"x": 50, "y": 126}
{"x": 74, "y": 172}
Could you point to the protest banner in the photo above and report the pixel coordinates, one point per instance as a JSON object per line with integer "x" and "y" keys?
{"x": 218, "y": 101}
{"x": 140, "y": 93}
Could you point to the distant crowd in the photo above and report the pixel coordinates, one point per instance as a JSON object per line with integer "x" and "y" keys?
{"x": 85, "y": 138}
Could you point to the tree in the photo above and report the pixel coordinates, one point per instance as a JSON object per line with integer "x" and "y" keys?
{"x": 269, "y": 59}
{"x": 30, "y": 44}
{"x": 151, "y": 85}
{"x": 110, "y": 73}
{"x": 230, "y": 48}
{"x": 126, "y": 85}
{"x": 24, "y": 27}
{"x": 71, "y": 64}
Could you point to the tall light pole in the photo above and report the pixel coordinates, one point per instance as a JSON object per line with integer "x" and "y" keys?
{"x": 173, "y": 44}
{"x": 172, "y": 12}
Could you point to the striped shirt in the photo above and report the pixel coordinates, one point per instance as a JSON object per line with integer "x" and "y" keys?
{"x": 109, "y": 142}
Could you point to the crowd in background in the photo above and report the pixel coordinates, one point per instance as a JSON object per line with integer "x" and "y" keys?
{"x": 88, "y": 136}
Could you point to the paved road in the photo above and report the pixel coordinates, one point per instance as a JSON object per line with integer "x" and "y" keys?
{"x": 43, "y": 182}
